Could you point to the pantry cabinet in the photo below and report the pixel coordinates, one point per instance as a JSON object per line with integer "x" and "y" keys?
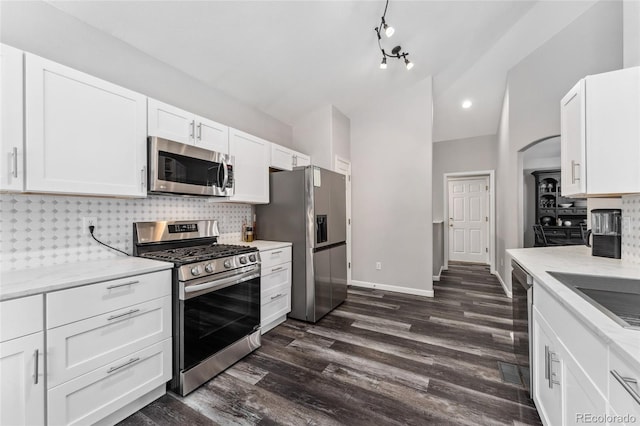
{"x": 600, "y": 149}
{"x": 22, "y": 362}
{"x": 251, "y": 167}
{"x": 283, "y": 158}
{"x": 83, "y": 135}
{"x": 11, "y": 119}
{"x": 169, "y": 122}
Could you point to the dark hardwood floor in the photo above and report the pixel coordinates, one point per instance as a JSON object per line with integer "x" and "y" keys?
{"x": 381, "y": 358}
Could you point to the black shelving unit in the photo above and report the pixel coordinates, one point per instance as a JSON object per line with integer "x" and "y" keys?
{"x": 548, "y": 210}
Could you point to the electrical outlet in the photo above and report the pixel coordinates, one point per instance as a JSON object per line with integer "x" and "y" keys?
{"x": 378, "y": 265}
{"x": 88, "y": 221}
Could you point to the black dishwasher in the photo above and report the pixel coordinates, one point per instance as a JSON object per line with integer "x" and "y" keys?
{"x": 522, "y": 289}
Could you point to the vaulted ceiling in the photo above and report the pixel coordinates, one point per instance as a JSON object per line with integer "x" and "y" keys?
{"x": 287, "y": 58}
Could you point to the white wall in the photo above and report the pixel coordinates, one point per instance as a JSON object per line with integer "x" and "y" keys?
{"x": 44, "y": 30}
{"x": 323, "y": 133}
{"x": 631, "y": 33}
{"x": 460, "y": 155}
{"x": 591, "y": 44}
{"x": 391, "y": 152}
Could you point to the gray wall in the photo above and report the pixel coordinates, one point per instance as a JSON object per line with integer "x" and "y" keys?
{"x": 44, "y": 30}
{"x": 631, "y": 31}
{"x": 460, "y": 155}
{"x": 340, "y": 134}
{"x": 589, "y": 45}
{"x": 438, "y": 247}
{"x": 392, "y": 204}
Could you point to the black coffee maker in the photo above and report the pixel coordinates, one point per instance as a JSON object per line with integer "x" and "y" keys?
{"x": 606, "y": 225}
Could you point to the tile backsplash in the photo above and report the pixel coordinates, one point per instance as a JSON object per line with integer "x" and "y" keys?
{"x": 42, "y": 230}
{"x": 631, "y": 234}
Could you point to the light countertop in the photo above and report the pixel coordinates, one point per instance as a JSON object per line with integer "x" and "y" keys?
{"x": 578, "y": 259}
{"x": 264, "y": 245}
{"x": 27, "y": 282}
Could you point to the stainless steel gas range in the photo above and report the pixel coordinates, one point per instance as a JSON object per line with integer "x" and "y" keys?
{"x": 216, "y": 297}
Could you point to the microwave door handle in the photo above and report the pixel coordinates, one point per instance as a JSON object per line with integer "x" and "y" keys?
{"x": 226, "y": 174}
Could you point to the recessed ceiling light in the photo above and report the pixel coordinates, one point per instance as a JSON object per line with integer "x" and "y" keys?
{"x": 466, "y": 104}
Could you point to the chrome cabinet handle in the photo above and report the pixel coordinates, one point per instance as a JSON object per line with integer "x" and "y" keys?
{"x": 131, "y": 361}
{"x": 546, "y": 362}
{"x": 14, "y": 162}
{"x": 551, "y": 358}
{"x": 276, "y": 252}
{"x": 35, "y": 367}
{"x": 279, "y": 268}
{"x": 122, "y": 285}
{"x": 574, "y": 178}
{"x": 192, "y": 129}
{"x": 200, "y": 131}
{"x": 143, "y": 178}
{"x": 133, "y": 311}
{"x": 277, "y": 295}
{"x": 624, "y": 381}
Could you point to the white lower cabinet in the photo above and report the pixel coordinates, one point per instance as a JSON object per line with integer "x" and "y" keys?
{"x": 22, "y": 383}
{"x": 91, "y": 397}
{"x": 547, "y": 379}
{"x": 108, "y": 348}
{"x": 275, "y": 284}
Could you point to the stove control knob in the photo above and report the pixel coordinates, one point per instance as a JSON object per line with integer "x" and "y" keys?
{"x": 252, "y": 257}
{"x": 209, "y": 268}
{"x": 227, "y": 263}
{"x": 195, "y": 271}
{"x": 243, "y": 259}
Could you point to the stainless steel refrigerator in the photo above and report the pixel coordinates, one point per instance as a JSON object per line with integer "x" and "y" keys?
{"x": 308, "y": 208}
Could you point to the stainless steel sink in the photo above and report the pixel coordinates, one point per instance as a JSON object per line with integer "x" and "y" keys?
{"x": 618, "y": 298}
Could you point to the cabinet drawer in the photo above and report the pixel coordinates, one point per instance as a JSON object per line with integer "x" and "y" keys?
{"x": 555, "y": 232}
{"x": 19, "y": 317}
{"x": 587, "y": 349}
{"x": 275, "y": 276}
{"x": 276, "y": 304}
{"x": 82, "y": 346}
{"x": 83, "y": 302}
{"x": 275, "y": 257}
{"x": 99, "y": 393}
{"x": 621, "y": 399}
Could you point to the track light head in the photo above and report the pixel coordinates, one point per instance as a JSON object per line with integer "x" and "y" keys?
{"x": 408, "y": 63}
{"x": 388, "y": 30}
{"x": 383, "y": 64}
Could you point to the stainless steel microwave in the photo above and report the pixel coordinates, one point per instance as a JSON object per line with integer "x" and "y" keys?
{"x": 177, "y": 168}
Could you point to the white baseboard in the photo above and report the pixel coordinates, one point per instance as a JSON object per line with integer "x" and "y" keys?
{"x": 504, "y": 286}
{"x": 437, "y": 277}
{"x": 397, "y": 289}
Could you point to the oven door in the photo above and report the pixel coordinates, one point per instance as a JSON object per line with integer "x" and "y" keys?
{"x": 214, "y": 313}
{"x": 184, "y": 169}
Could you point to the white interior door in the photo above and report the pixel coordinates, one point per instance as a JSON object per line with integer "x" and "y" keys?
{"x": 469, "y": 219}
{"x": 343, "y": 166}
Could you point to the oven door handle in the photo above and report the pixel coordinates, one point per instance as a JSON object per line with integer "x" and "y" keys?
{"x": 216, "y": 285}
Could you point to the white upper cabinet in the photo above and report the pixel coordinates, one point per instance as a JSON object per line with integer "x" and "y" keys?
{"x": 286, "y": 159}
{"x": 600, "y": 135}
{"x": 11, "y": 119}
{"x": 83, "y": 135}
{"x": 169, "y": 122}
{"x": 251, "y": 167}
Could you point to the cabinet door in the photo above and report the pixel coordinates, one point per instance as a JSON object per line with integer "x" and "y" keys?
{"x": 613, "y": 132}
{"x": 83, "y": 135}
{"x": 22, "y": 384}
{"x": 301, "y": 160}
{"x": 572, "y": 141}
{"x": 547, "y": 372}
{"x": 169, "y": 122}
{"x": 211, "y": 135}
{"x": 580, "y": 396}
{"x": 11, "y": 119}
{"x": 251, "y": 167}
{"x": 281, "y": 158}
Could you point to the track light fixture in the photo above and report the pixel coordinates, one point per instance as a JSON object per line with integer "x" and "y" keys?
{"x": 396, "y": 52}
